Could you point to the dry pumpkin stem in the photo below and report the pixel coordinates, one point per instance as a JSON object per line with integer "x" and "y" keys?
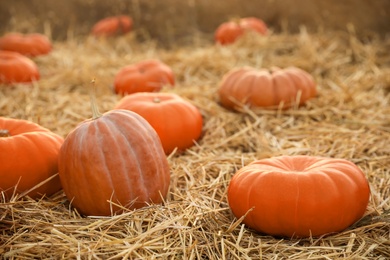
{"x": 94, "y": 107}
{"x": 4, "y": 133}
{"x": 349, "y": 118}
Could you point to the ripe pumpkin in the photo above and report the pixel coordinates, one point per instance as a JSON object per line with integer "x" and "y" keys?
{"x": 28, "y": 156}
{"x": 16, "y": 68}
{"x": 229, "y": 32}
{"x": 177, "y": 122}
{"x": 145, "y": 76}
{"x": 112, "y": 26}
{"x": 267, "y": 88}
{"x": 115, "y": 157}
{"x": 299, "y": 196}
{"x": 33, "y": 44}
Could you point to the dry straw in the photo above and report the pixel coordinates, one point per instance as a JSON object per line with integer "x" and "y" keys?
{"x": 350, "y": 118}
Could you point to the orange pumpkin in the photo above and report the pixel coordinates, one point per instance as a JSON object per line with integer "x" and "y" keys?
{"x": 177, "y": 122}
{"x": 145, "y": 76}
{"x": 33, "y": 44}
{"x": 115, "y": 157}
{"x": 113, "y": 26}
{"x": 28, "y": 157}
{"x": 229, "y": 32}
{"x": 299, "y": 196}
{"x": 16, "y": 68}
{"x": 274, "y": 88}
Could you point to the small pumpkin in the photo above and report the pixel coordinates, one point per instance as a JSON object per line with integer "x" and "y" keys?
{"x": 266, "y": 88}
{"x": 177, "y": 122}
{"x": 115, "y": 157}
{"x": 28, "y": 157}
{"x": 112, "y": 26}
{"x": 33, "y": 44}
{"x": 229, "y": 32}
{"x": 16, "y": 68}
{"x": 145, "y": 76}
{"x": 299, "y": 196}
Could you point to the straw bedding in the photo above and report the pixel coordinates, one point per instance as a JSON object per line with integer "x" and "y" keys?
{"x": 350, "y": 119}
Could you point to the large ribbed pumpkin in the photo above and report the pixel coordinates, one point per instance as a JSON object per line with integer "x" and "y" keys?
{"x": 113, "y": 159}
{"x": 33, "y": 44}
{"x": 266, "y": 88}
{"x": 17, "y": 68}
{"x": 177, "y": 122}
{"x": 299, "y": 196}
{"x": 28, "y": 157}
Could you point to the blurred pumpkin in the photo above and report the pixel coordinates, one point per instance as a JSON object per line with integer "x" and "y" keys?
{"x": 115, "y": 157}
{"x": 28, "y": 157}
{"x": 32, "y": 45}
{"x": 145, "y": 76}
{"x": 112, "y": 26}
{"x": 17, "y": 68}
{"x": 229, "y": 32}
{"x": 266, "y": 88}
{"x": 299, "y": 196}
{"x": 177, "y": 122}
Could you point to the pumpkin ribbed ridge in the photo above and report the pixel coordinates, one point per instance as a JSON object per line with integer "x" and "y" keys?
{"x": 119, "y": 159}
{"x": 154, "y": 148}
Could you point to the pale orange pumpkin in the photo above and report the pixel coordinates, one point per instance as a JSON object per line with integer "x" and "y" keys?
{"x": 266, "y": 88}
{"x": 113, "y": 159}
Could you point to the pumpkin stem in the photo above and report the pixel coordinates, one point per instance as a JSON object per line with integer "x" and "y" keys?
{"x": 4, "y": 133}
{"x": 236, "y": 20}
{"x": 273, "y": 69}
{"x": 156, "y": 100}
{"x": 95, "y": 111}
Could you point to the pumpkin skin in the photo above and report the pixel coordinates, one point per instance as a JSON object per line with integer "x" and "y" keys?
{"x": 299, "y": 196}
{"x": 28, "y": 156}
{"x": 144, "y": 76}
{"x": 112, "y": 26}
{"x": 270, "y": 89}
{"x": 16, "y": 68}
{"x": 177, "y": 122}
{"x": 116, "y": 157}
{"x": 229, "y": 32}
{"x": 33, "y": 44}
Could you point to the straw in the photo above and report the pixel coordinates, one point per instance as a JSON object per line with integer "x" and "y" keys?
{"x": 349, "y": 118}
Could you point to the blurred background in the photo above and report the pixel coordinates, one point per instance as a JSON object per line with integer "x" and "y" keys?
{"x": 178, "y": 20}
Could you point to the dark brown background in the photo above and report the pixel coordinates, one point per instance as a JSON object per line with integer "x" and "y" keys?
{"x": 174, "y": 20}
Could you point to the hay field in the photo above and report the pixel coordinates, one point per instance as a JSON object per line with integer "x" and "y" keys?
{"x": 350, "y": 119}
